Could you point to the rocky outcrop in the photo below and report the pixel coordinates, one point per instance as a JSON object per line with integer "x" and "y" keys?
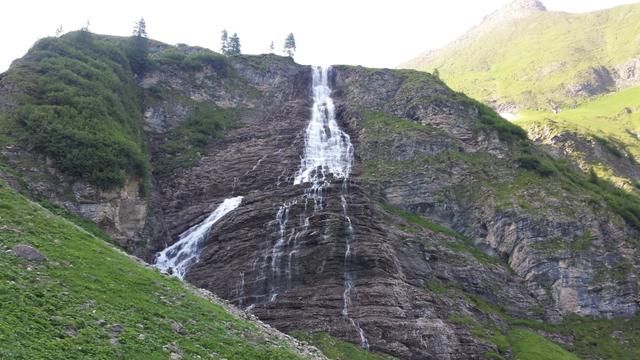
{"x": 606, "y": 79}
{"x": 451, "y": 181}
{"x": 516, "y": 9}
{"x": 122, "y": 213}
{"x": 588, "y": 152}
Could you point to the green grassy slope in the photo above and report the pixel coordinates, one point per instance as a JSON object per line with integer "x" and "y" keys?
{"x": 530, "y": 61}
{"x": 616, "y": 114}
{"x": 337, "y": 349}
{"x": 614, "y": 117}
{"x": 78, "y": 103}
{"x": 66, "y": 306}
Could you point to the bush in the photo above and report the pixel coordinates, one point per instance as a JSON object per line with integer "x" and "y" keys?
{"x": 490, "y": 120}
{"x": 174, "y": 57}
{"x": 188, "y": 141}
{"x": 82, "y": 109}
{"x": 531, "y": 163}
{"x": 207, "y": 58}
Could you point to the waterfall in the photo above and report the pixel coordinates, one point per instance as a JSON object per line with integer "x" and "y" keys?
{"x": 179, "y": 257}
{"x": 328, "y": 149}
{"x": 328, "y": 154}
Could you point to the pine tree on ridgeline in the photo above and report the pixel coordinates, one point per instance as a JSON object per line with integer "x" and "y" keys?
{"x": 224, "y": 42}
{"x": 138, "y": 48}
{"x": 234, "y": 45}
{"x": 290, "y": 45}
{"x": 140, "y": 29}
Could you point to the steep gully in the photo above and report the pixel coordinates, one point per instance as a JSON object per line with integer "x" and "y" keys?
{"x": 328, "y": 155}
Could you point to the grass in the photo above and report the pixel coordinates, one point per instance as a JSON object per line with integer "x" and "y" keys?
{"x": 527, "y": 345}
{"x": 189, "y": 61}
{"x": 530, "y": 61}
{"x": 462, "y": 244}
{"x": 612, "y": 121}
{"x": 65, "y": 306}
{"x": 337, "y": 349}
{"x": 80, "y": 106}
{"x": 380, "y": 124}
{"x": 187, "y": 142}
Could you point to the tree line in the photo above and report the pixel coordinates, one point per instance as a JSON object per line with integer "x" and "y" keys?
{"x": 230, "y": 45}
{"x": 138, "y": 46}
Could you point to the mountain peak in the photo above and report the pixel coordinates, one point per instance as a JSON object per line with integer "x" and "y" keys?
{"x": 534, "y": 5}
{"x": 518, "y": 9}
{"x": 514, "y": 10}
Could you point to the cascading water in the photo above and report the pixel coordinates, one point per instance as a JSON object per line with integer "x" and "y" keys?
{"x": 328, "y": 154}
{"x": 179, "y": 257}
{"x": 328, "y": 149}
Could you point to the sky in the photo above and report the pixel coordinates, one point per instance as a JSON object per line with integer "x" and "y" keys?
{"x": 372, "y": 33}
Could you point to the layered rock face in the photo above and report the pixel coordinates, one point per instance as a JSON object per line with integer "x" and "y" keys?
{"x": 565, "y": 246}
{"x": 587, "y": 151}
{"x": 532, "y": 247}
{"x": 304, "y": 289}
{"x": 121, "y": 213}
{"x": 450, "y": 164}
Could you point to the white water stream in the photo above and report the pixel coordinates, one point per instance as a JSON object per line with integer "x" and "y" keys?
{"x": 179, "y": 257}
{"x": 328, "y": 155}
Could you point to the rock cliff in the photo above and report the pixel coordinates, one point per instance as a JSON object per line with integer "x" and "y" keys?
{"x": 460, "y": 224}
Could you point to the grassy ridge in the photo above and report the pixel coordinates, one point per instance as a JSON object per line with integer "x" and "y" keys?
{"x": 80, "y": 106}
{"x": 530, "y": 61}
{"x": 614, "y": 115}
{"x": 337, "y": 349}
{"x": 527, "y": 345}
{"x": 66, "y": 306}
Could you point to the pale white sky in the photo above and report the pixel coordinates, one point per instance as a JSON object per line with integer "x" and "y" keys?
{"x": 372, "y": 33}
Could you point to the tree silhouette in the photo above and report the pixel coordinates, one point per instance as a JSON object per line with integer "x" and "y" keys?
{"x": 290, "y": 45}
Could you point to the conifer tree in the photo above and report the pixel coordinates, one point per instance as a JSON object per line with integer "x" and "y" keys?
{"x": 138, "y": 49}
{"x": 290, "y": 45}
{"x": 224, "y": 42}
{"x": 271, "y": 48}
{"x": 140, "y": 29}
{"x": 84, "y": 35}
{"x": 234, "y": 45}
{"x": 59, "y": 31}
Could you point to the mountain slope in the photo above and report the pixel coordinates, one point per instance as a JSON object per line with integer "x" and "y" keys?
{"x": 452, "y": 232}
{"x": 544, "y": 60}
{"x": 89, "y": 300}
{"x": 570, "y": 79}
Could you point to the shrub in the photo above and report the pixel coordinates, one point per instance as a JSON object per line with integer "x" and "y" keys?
{"x": 186, "y": 142}
{"x": 531, "y": 163}
{"x": 217, "y": 61}
{"x": 82, "y": 109}
{"x": 490, "y": 120}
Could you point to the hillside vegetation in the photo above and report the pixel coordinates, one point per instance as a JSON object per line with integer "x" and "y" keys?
{"x": 89, "y": 300}
{"x": 531, "y": 62}
{"x": 79, "y": 105}
{"x": 557, "y": 74}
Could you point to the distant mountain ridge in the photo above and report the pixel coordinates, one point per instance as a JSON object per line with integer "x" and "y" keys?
{"x": 527, "y": 57}
{"x": 567, "y": 78}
